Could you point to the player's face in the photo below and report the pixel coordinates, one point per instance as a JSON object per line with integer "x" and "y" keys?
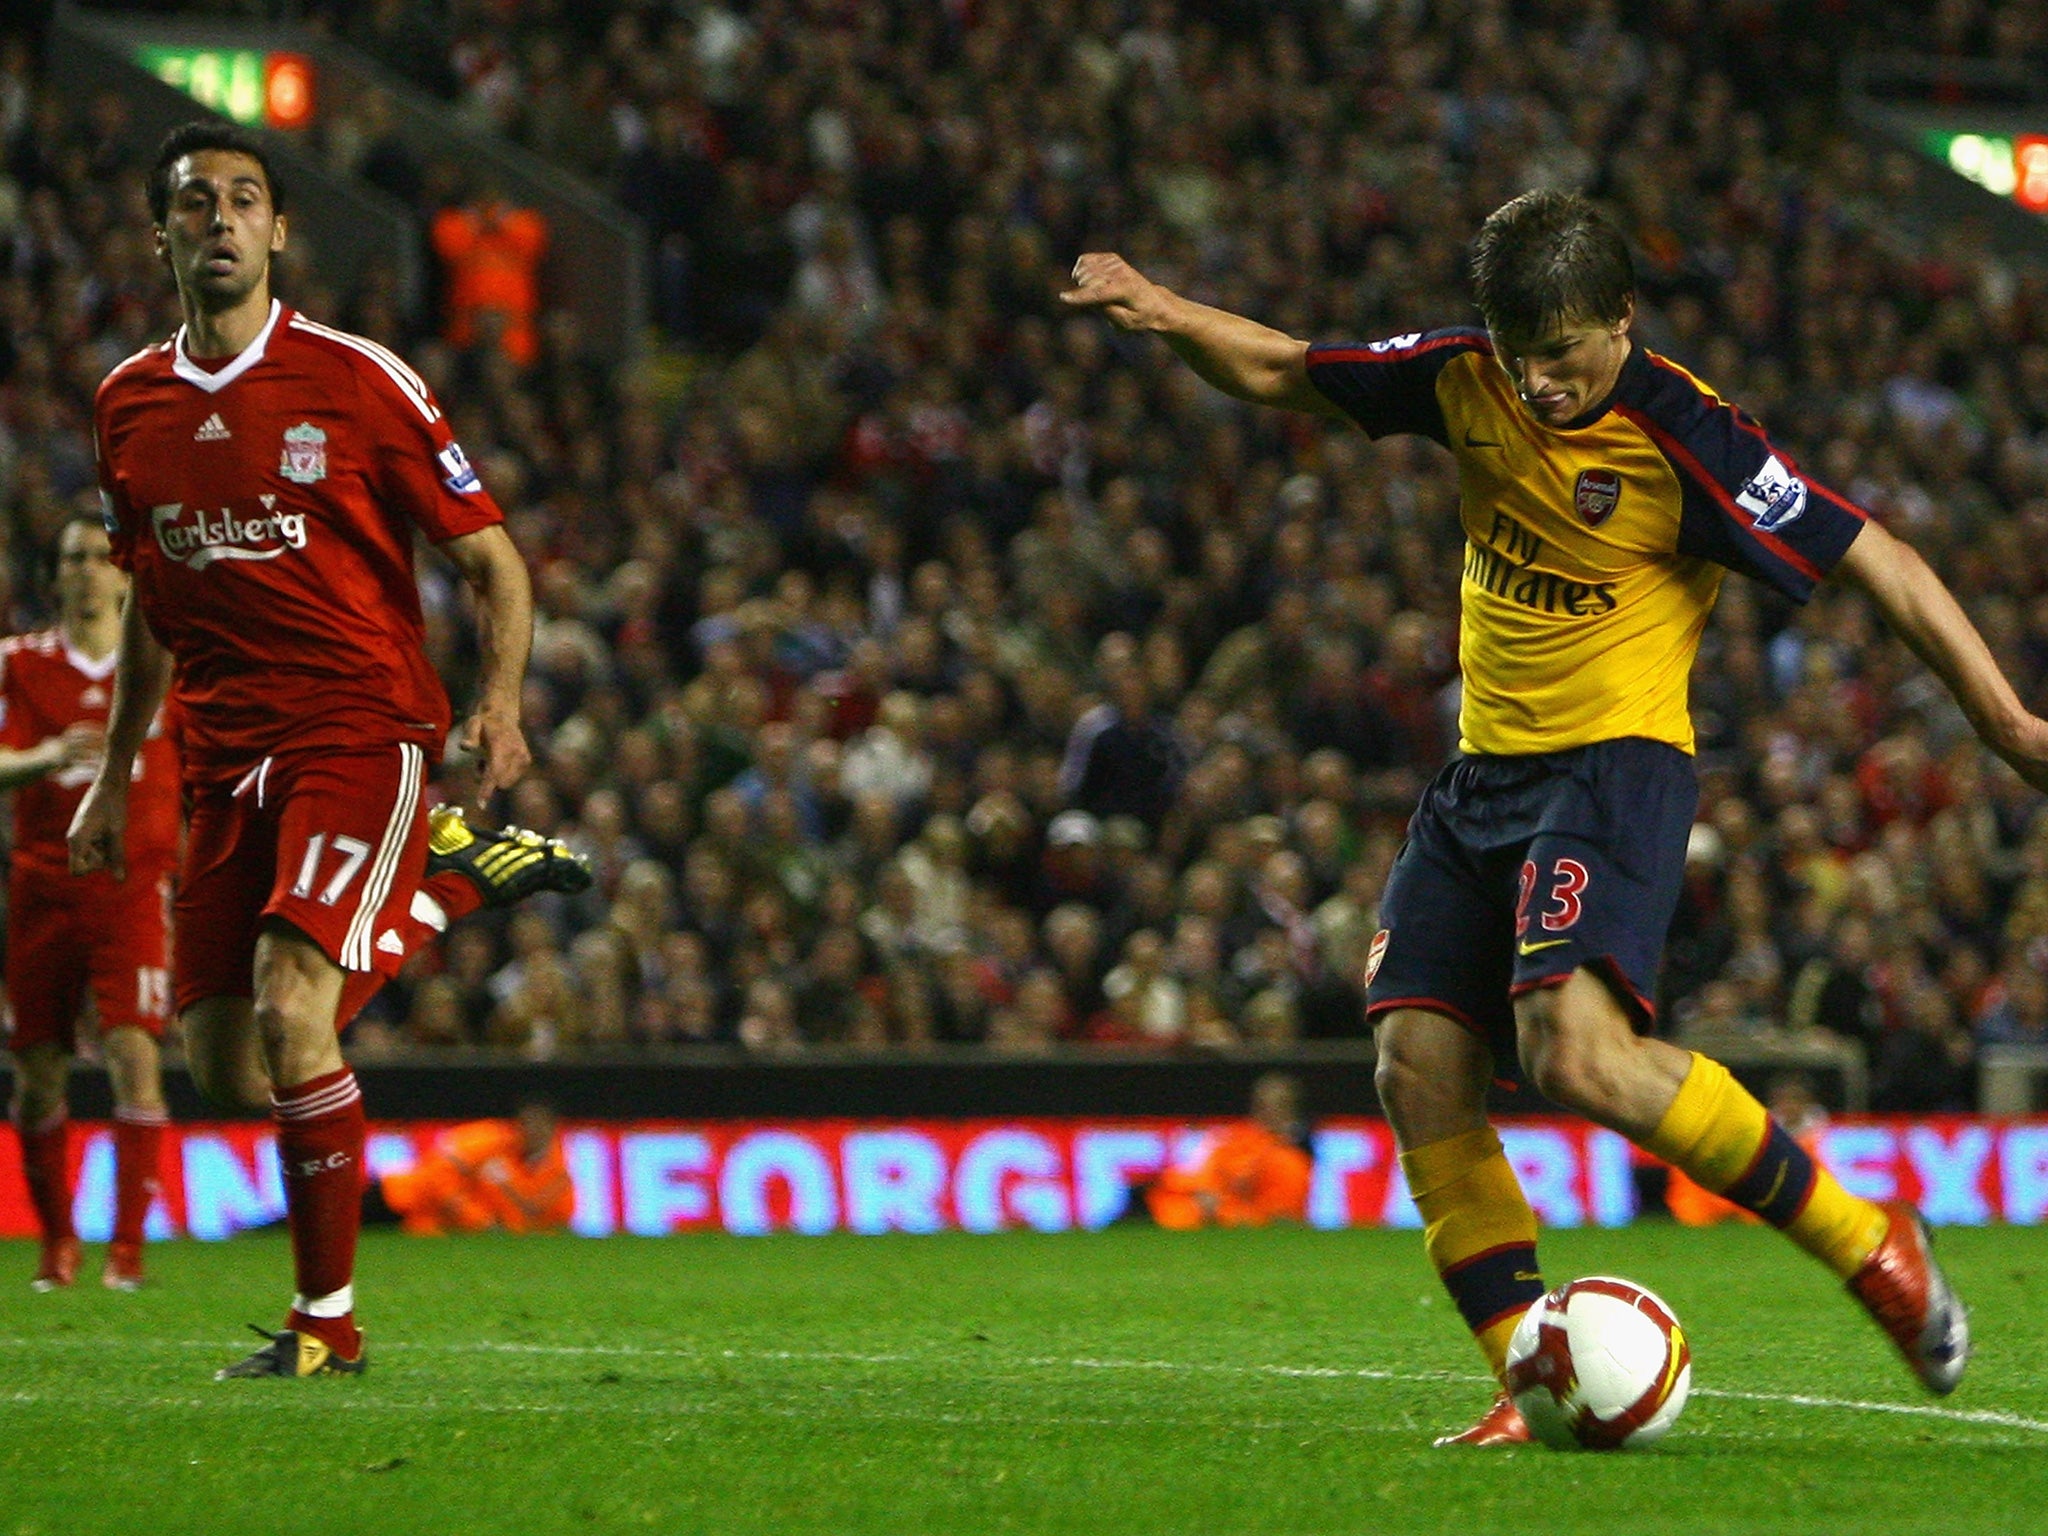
{"x": 88, "y": 581}
{"x": 1561, "y": 376}
{"x": 220, "y": 230}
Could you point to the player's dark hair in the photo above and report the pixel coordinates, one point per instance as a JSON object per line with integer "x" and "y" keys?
{"x": 56, "y": 550}
{"x": 1546, "y": 259}
{"x": 203, "y": 134}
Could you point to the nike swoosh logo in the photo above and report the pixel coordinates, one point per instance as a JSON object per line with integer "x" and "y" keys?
{"x": 1530, "y": 949}
{"x": 1776, "y": 1184}
{"x": 1479, "y": 442}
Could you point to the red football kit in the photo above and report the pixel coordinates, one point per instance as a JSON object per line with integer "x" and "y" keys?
{"x": 266, "y": 510}
{"x": 67, "y": 932}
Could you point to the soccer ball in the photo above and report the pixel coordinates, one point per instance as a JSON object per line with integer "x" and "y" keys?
{"x": 1599, "y": 1364}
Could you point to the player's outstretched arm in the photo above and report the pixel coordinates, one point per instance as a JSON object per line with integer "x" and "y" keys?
{"x": 490, "y": 563}
{"x": 1240, "y": 357}
{"x": 142, "y": 675}
{"x": 1925, "y": 614}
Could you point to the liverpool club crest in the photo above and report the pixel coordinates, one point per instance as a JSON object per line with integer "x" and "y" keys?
{"x": 305, "y": 454}
{"x": 1595, "y": 495}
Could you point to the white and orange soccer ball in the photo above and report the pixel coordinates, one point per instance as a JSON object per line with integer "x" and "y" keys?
{"x": 1599, "y": 1364}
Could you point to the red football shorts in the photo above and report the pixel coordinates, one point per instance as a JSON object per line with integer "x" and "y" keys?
{"x": 333, "y": 843}
{"x": 66, "y": 934}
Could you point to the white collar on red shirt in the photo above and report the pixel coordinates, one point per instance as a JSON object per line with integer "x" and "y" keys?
{"x": 99, "y": 671}
{"x": 212, "y": 382}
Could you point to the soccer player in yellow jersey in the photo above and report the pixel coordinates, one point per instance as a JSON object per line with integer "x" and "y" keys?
{"x": 1604, "y": 494}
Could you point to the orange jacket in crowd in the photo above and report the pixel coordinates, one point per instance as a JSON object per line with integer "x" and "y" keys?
{"x": 491, "y": 253}
{"x": 1248, "y": 1178}
{"x": 475, "y": 1178}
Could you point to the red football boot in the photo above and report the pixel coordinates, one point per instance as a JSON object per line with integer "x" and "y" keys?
{"x": 1902, "y": 1287}
{"x": 1500, "y": 1425}
{"x": 60, "y": 1265}
{"x": 124, "y": 1267}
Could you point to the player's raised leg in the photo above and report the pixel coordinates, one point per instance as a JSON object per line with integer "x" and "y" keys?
{"x": 135, "y": 1069}
{"x": 1477, "y": 1225}
{"x": 43, "y": 1123}
{"x": 468, "y": 868}
{"x": 1580, "y": 1048}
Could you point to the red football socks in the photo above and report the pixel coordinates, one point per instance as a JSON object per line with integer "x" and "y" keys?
{"x": 320, "y": 1136}
{"x": 138, "y": 1169}
{"x": 45, "y": 1150}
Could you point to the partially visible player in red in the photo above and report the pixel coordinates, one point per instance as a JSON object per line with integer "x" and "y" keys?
{"x": 263, "y": 476}
{"x": 66, "y": 935}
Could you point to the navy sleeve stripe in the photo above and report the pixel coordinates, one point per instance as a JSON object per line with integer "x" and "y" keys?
{"x": 1749, "y": 428}
{"x": 1682, "y": 458}
{"x": 1390, "y": 386}
{"x": 1744, "y": 502}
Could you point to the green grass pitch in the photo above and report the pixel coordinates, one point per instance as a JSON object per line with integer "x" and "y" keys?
{"x": 1130, "y": 1381}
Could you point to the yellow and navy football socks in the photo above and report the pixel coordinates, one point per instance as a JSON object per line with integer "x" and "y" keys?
{"x": 1480, "y": 1233}
{"x": 1722, "y": 1138}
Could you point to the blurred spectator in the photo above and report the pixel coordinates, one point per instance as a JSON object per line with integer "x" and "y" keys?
{"x": 1249, "y": 1174}
{"x": 1122, "y": 758}
{"x": 1147, "y": 1005}
{"x": 503, "y": 1175}
{"x": 490, "y": 254}
{"x": 2015, "y": 1010}
{"x": 1924, "y": 1064}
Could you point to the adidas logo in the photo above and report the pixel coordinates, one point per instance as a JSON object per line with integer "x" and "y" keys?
{"x": 390, "y": 942}
{"x": 212, "y": 430}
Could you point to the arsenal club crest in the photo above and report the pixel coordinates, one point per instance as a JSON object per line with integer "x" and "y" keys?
{"x": 1376, "y": 954}
{"x": 1595, "y": 495}
{"x": 305, "y": 454}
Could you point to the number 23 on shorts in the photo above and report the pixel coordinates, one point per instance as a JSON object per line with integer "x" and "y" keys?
{"x": 1562, "y": 907}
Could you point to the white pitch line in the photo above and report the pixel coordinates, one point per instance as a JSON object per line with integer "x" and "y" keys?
{"x": 1990, "y": 1416}
{"x": 1911, "y": 1410}
{"x": 1996, "y": 1418}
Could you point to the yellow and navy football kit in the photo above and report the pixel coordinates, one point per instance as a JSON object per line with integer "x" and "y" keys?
{"x": 1556, "y": 839}
{"x": 1593, "y": 554}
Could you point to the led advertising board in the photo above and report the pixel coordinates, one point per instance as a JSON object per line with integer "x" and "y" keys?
{"x": 1048, "y": 1175}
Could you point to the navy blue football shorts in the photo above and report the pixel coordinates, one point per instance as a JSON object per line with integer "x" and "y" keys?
{"x": 1519, "y": 870}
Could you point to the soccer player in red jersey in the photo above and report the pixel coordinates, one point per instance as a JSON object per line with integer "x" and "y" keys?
{"x": 263, "y": 475}
{"x": 67, "y": 935}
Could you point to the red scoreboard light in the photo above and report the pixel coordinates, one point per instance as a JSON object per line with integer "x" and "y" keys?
{"x": 288, "y": 90}
{"x": 2030, "y": 172}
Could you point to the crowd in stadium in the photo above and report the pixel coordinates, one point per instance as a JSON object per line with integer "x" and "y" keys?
{"x": 921, "y": 664}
